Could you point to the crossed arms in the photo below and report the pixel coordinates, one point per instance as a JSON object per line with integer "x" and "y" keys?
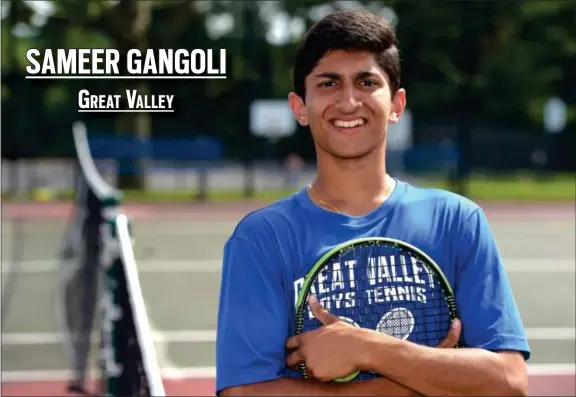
{"x": 490, "y": 318}
{"x": 337, "y": 349}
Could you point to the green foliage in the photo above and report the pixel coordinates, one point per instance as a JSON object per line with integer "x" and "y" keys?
{"x": 524, "y": 52}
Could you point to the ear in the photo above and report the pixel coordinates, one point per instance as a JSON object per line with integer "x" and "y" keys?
{"x": 398, "y": 106}
{"x": 298, "y": 108}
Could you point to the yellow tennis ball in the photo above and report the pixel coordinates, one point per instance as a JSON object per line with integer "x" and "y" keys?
{"x": 43, "y": 194}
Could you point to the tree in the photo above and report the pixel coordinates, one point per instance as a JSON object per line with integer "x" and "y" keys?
{"x": 123, "y": 25}
{"x": 524, "y": 52}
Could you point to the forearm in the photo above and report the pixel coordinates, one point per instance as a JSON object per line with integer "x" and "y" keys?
{"x": 309, "y": 387}
{"x": 445, "y": 372}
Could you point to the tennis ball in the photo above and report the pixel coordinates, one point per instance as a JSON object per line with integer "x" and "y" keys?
{"x": 43, "y": 194}
{"x": 348, "y": 378}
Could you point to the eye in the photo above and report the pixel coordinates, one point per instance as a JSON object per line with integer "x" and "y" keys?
{"x": 328, "y": 83}
{"x": 369, "y": 83}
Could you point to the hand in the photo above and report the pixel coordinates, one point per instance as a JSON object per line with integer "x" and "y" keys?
{"x": 335, "y": 349}
{"x": 452, "y": 336}
{"x": 330, "y": 351}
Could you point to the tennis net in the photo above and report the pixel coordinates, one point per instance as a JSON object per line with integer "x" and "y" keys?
{"x": 99, "y": 243}
{"x": 128, "y": 362}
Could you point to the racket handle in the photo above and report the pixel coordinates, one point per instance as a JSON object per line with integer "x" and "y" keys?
{"x": 302, "y": 368}
{"x": 348, "y": 378}
{"x": 345, "y": 379}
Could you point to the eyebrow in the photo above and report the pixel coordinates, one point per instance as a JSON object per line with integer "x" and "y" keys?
{"x": 336, "y": 76}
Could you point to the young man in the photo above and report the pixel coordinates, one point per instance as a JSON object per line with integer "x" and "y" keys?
{"x": 347, "y": 90}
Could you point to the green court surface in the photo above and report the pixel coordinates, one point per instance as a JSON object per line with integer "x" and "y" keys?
{"x": 179, "y": 266}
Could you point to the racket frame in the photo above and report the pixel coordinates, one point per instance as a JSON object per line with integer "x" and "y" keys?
{"x": 311, "y": 275}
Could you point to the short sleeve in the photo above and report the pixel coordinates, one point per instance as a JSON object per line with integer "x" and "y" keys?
{"x": 488, "y": 310}
{"x": 252, "y": 317}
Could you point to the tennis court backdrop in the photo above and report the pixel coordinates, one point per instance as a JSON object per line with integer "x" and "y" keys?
{"x": 477, "y": 127}
{"x": 177, "y": 254}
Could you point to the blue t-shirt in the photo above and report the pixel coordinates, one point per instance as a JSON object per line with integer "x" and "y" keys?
{"x": 272, "y": 249}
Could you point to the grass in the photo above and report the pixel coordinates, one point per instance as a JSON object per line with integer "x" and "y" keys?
{"x": 517, "y": 189}
{"x": 526, "y": 189}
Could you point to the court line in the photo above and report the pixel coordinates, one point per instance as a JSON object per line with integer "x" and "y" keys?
{"x": 517, "y": 265}
{"x": 169, "y": 228}
{"x": 48, "y": 338}
{"x": 161, "y": 346}
{"x": 551, "y": 333}
{"x": 209, "y": 336}
{"x": 534, "y": 370}
{"x": 144, "y": 266}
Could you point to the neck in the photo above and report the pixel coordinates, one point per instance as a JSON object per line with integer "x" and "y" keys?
{"x": 352, "y": 186}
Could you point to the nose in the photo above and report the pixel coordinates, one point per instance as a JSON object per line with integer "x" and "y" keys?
{"x": 346, "y": 100}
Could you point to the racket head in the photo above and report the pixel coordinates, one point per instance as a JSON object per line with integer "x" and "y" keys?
{"x": 389, "y": 315}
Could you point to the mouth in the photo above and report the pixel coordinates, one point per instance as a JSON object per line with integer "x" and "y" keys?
{"x": 349, "y": 126}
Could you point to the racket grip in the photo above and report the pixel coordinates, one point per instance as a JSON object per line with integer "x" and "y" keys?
{"x": 345, "y": 379}
{"x": 348, "y": 378}
{"x": 303, "y": 371}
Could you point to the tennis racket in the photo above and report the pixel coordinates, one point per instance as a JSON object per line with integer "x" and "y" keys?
{"x": 381, "y": 284}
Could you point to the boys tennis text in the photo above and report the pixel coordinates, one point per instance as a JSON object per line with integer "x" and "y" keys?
{"x": 383, "y": 279}
{"x": 132, "y": 100}
{"x": 84, "y": 62}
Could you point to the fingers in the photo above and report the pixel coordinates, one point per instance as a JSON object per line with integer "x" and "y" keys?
{"x": 293, "y": 342}
{"x": 294, "y": 359}
{"x": 452, "y": 337}
{"x": 323, "y": 315}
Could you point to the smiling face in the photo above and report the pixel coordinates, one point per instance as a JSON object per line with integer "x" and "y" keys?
{"x": 348, "y": 104}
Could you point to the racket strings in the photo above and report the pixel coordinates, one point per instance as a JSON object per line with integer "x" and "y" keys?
{"x": 370, "y": 288}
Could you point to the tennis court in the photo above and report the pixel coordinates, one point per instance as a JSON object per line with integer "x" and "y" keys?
{"x": 178, "y": 251}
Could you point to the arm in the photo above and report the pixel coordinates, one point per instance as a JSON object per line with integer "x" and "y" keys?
{"x": 494, "y": 362}
{"x": 253, "y": 325}
{"x": 305, "y": 387}
{"x": 446, "y": 372}
{"x": 325, "y": 363}
{"x": 253, "y": 317}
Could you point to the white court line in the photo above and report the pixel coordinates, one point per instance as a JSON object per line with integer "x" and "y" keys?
{"x": 169, "y": 228}
{"x": 47, "y": 338}
{"x": 552, "y": 333}
{"x": 209, "y": 336}
{"x": 144, "y": 266}
{"x": 196, "y": 373}
{"x": 215, "y": 266}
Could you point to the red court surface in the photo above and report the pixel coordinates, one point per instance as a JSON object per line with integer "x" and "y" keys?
{"x": 173, "y": 387}
{"x": 550, "y": 384}
{"x": 547, "y": 381}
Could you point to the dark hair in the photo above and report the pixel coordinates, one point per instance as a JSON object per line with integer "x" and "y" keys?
{"x": 349, "y": 31}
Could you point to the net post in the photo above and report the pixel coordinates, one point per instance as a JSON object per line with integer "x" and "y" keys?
{"x": 143, "y": 331}
{"x": 129, "y": 364}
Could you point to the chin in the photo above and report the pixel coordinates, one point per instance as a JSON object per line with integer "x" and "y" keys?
{"x": 343, "y": 151}
{"x": 348, "y": 154}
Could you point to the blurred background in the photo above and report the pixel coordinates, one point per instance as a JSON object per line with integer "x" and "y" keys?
{"x": 478, "y": 75}
{"x": 491, "y": 115}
